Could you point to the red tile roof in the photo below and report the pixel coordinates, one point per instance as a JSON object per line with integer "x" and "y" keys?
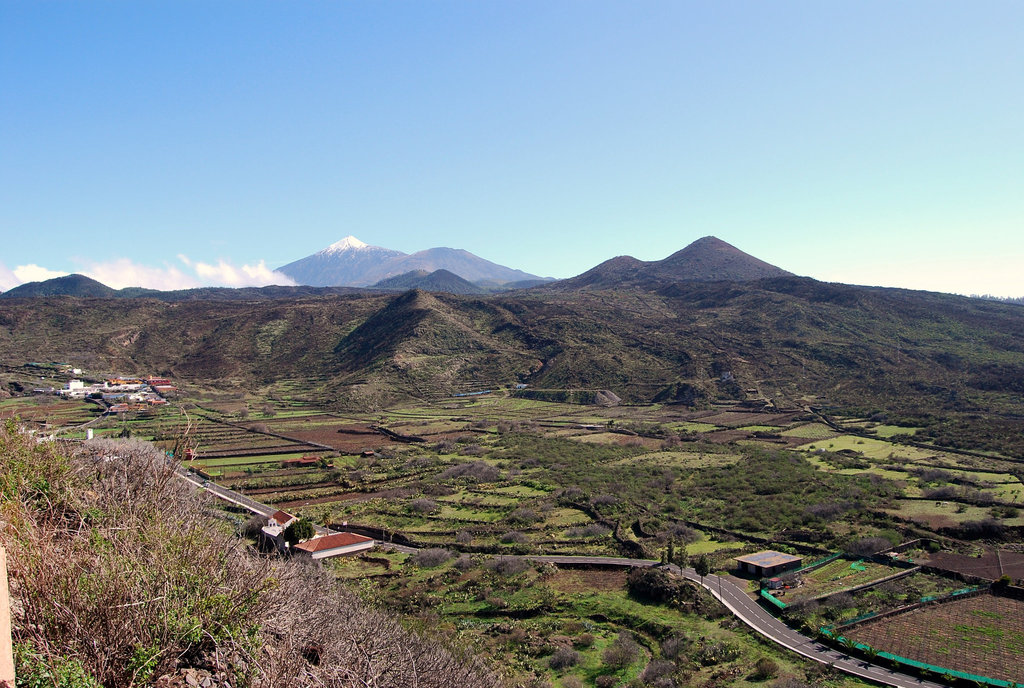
{"x": 321, "y": 544}
{"x": 282, "y": 517}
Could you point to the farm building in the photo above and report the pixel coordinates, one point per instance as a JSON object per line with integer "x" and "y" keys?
{"x": 768, "y": 563}
{"x": 334, "y": 545}
{"x": 276, "y": 523}
{"x": 300, "y": 463}
{"x": 281, "y": 519}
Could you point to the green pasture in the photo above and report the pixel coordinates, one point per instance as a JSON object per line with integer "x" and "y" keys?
{"x": 708, "y": 545}
{"x": 467, "y": 498}
{"x": 890, "y": 430}
{"x": 250, "y": 460}
{"x": 694, "y": 427}
{"x": 952, "y": 513}
{"x": 469, "y": 514}
{"x": 811, "y": 431}
{"x": 519, "y": 491}
{"x": 870, "y": 448}
{"x": 680, "y": 459}
{"x": 564, "y": 517}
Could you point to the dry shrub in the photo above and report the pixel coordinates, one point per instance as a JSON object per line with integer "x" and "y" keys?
{"x": 475, "y": 470}
{"x": 119, "y": 565}
{"x": 563, "y": 658}
{"x": 514, "y": 537}
{"x": 508, "y": 566}
{"x": 429, "y": 558}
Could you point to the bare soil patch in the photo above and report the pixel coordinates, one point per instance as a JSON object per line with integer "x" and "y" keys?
{"x": 582, "y": 580}
{"x": 980, "y": 635}
{"x": 990, "y": 566}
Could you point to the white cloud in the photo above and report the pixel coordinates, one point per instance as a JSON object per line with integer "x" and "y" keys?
{"x": 123, "y": 272}
{"x": 8, "y": 280}
{"x": 226, "y": 274}
{"x": 35, "y": 273}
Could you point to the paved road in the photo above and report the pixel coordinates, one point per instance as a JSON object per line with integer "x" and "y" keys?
{"x": 751, "y": 613}
{"x": 728, "y": 593}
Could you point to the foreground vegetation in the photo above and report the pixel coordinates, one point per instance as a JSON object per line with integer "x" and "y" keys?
{"x": 122, "y": 574}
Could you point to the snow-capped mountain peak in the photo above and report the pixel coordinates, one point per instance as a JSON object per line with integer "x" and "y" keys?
{"x": 346, "y": 244}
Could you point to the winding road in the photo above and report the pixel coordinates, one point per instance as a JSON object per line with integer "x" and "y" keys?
{"x": 734, "y": 597}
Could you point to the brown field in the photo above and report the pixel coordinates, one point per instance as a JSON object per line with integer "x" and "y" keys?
{"x": 991, "y": 565}
{"x": 980, "y": 635}
{"x": 588, "y": 581}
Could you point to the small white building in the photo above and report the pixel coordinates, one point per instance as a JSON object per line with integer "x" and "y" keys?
{"x": 334, "y": 545}
{"x": 276, "y": 523}
{"x": 74, "y": 389}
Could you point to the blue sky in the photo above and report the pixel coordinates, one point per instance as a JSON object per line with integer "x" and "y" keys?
{"x": 172, "y": 144}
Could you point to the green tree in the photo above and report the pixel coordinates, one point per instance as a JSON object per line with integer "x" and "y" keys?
{"x": 300, "y": 530}
{"x": 702, "y": 566}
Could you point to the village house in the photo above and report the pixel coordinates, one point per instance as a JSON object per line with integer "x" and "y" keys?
{"x": 276, "y": 524}
{"x": 768, "y": 563}
{"x": 335, "y": 545}
{"x": 301, "y": 463}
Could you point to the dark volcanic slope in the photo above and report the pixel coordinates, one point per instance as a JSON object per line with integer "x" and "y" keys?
{"x": 438, "y": 280}
{"x": 706, "y": 260}
{"x": 790, "y": 339}
{"x": 70, "y": 285}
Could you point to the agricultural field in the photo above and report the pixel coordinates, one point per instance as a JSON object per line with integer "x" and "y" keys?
{"x": 883, "y": 597}
{"x": 838, "y": 575}
{"x": 981, "y": 635}
{"x": 556, "y": 625}
{"x": 494, "y": 475}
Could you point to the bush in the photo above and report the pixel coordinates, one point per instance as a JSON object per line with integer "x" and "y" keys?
{"x": 764, "y": 669}
{"x": 653, "y": 584}
{"x": 303, "y": 529}
{"x": 622, "y": 652}
{"x": 477, "y": 471}
{"x": 674, "y": 646}
{"x": 605, "y": 681}
{"x": 585, "y": 640}
{"x": 523, "y": 515}
{"x": 153, "y": 585}
{"x": 424, "y": 506}
{"x": 716, "y": 653}
{"x": 429, "y": 558}
{"x": 508, "y": 566}
{"x": 572, "y": 682}
{"x": 514, "y": 538}
{"x": 463, "y": 537}
{"x": 591, "y": 530}
{"x": 865, "y": 547}
{"x": 564, "y": 658}
{"x": 657, "y": 671}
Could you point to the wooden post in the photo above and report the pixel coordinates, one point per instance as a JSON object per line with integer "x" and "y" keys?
{"x": 6, "y": 649}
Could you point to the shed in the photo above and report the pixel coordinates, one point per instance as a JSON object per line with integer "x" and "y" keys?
{"x": 768, "y": 563}
{"x": 334, "y": 545}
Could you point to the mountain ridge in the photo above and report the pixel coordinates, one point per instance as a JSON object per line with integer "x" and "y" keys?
{"x": 351, "y": 262}
{"x": 707, "y": 259}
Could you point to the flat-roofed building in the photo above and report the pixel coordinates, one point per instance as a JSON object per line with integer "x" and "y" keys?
{"x": 768, "y": 563}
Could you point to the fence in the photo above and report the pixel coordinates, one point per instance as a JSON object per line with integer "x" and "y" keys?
{"x": 873, "y": 654}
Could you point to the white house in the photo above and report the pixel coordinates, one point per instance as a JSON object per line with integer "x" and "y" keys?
{"x": 276, "y": 523}
{"x": 334, "y": 545}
